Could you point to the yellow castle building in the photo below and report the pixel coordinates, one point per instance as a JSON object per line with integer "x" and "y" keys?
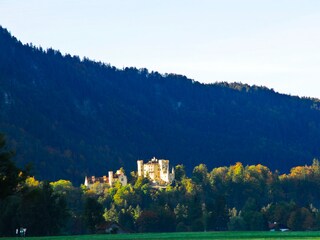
{"x": 156, "y": 170}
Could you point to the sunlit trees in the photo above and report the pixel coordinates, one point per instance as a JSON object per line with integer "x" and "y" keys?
{"x": 180, "y": 172}
{"x": 111, "y": 214}
{"x": 233, "y": 197}
{"x": 125, "y": 195}
{"x": 200, "y": 174}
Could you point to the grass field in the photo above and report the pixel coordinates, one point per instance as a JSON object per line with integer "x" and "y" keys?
{"x": 189, "y": 236}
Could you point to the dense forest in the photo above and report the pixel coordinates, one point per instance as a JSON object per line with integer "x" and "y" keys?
{"x": 72, "y": 117}
{"x": 234, "y": 198}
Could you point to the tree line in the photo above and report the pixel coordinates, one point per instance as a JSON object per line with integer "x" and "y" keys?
{"x": 233, "y": 198}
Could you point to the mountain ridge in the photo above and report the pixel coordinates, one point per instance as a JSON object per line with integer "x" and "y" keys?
{"x": 79, "y": 117}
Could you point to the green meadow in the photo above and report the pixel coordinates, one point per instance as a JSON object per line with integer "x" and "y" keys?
{"x": 188, "y": 236}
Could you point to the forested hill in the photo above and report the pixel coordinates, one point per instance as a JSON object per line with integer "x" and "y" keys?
{"x": 72, "y": 117}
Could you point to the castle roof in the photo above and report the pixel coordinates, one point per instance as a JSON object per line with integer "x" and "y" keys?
{"x": 93, "y": 179}
{"x": 103, "y": 179}
{"x": 153, "y": 161}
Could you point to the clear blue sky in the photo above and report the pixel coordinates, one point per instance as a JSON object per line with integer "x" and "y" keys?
{"x": 274, "y": 43}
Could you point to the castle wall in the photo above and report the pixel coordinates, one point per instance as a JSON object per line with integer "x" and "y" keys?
{"x": 164, "y": 170}
{"x": 110, "y": 180}
{"x": 156, "y": 170}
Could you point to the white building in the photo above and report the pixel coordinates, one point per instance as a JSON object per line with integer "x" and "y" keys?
{"x": 110, "y": 180}
{"x": 156, "y": 170}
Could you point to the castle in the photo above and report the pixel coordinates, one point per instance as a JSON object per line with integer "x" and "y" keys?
{"x": 156, "y": 170}
{"x": 110, "y": 180}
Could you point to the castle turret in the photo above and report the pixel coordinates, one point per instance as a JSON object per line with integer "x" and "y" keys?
{"x": 140, "y": 168}
{"x": 168, "y": 173}
{"x": 164, "y": 170}
{"x": 110, "y": 175}
{"x": 172, "y": 175}
{"x": 86, "y": 181}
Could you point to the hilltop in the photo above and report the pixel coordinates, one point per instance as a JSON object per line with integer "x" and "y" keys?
{"x": 73, "y": 117}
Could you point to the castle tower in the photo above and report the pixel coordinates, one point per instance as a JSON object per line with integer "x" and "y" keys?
{"x": 172, "y": 175}
{"x": 140, "y": 168}
{"x": 164, "y": 170}
{"x": 110, "y": 175}
{"x": 86, "y": 181}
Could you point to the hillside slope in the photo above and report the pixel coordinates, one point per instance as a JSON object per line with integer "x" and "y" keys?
{"x": 72, "y": 117}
